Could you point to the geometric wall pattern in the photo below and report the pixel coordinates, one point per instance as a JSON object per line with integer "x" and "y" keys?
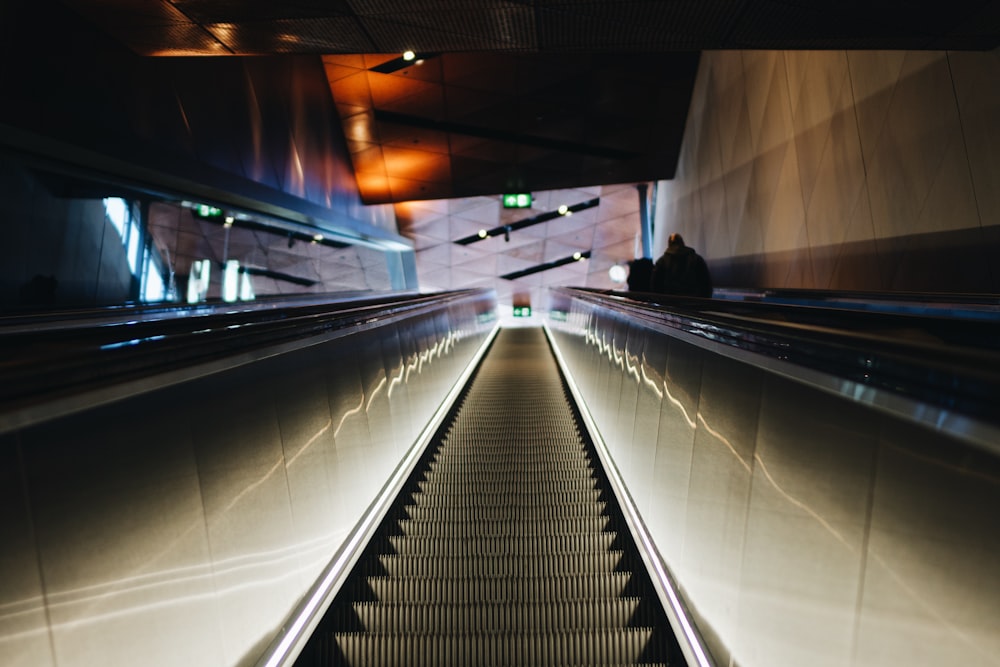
{"x": 610, "y": 230}
{"x": 283, "y": 267}
{"x": 846, "y": 170}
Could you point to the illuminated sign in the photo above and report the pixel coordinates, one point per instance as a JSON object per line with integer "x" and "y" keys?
{"x": 517, "y": 200}
{"x": 522, "y": 311}
{"x": 206, "y": 211}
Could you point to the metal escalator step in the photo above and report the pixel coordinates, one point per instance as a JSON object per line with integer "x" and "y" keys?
{"x": 571, "y": 497}
{"x": 504, "y": 527}
{"x": 495, "y": 565}
{"x": 503, "y": 511}
{"x": 504, "y": 544}
{"x": 503, "y": 549}
{"x": 509, "y": 487}
{"x": 462, "y": 470}
{"x": 538, "y": 617}
{"x": 498, "y": 589}
{"x": 576, "y": 647}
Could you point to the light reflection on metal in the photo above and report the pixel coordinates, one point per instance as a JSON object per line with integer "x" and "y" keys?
{"x": 349, "y": 413}
{"x": 691, "y": 643}
{"x": 322, "y": 592}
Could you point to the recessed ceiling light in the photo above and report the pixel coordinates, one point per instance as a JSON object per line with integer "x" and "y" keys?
{"x": 563, "y": 210}
{"x": 483, "y": 233}
{"x": 409, "y": 55}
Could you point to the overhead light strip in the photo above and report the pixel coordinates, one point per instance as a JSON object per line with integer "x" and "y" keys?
{"x": 528, "y": 222}
{"x": 575, "y": 257}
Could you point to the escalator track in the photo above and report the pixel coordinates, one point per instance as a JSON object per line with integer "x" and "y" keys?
{"x": 506, "y": 545}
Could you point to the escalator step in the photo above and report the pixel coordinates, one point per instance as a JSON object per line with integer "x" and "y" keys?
{"x": 540, "y": 617}
{"x": 504, "y": 548}
{"x": 499, "y": 589}
{"x": 504, "y": 527}
{"x": 495, "y": 565}
{"x": 619, "y": 646}
{"x": 506, "y": 512}
{"x": 503, "y": 544}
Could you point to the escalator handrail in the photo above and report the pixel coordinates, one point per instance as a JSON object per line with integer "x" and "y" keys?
{"x": 44, "y": 374}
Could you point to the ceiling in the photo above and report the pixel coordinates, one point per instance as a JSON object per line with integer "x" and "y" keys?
{"x": 522, "y": 95}
{"x": 466, "y": 124}
{"x": 252, "y": 27}
{"x": 570, "y": 100}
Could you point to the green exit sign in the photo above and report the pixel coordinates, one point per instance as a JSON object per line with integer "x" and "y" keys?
{"x": 522, "y": 311}
{"x": 518, "y": 200}
{"x": 206, "y": 211}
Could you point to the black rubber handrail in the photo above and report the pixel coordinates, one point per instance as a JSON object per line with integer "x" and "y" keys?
{"x": 58, "y": 361}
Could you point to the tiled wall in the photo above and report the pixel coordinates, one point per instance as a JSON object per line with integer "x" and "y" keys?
{"x": 802, "y": 528}
{"x": 845, "y": 170}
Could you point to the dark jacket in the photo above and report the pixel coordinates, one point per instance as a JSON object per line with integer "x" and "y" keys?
{"x": 682, "y": 271}
{"x": 640, "y": 274}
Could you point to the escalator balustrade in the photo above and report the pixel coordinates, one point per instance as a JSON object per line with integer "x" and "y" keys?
{"x": 506, "y": 547}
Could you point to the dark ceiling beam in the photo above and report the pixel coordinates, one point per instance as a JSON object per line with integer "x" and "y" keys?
{"x": 577, "y": 257}
{"x": 408, "y": 120}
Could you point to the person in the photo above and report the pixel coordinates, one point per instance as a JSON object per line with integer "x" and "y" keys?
{"x": 681, "y": 271}
{"x": 640, "y": 272}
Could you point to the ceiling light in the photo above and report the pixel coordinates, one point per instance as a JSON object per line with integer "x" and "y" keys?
{"x": 483, "y": 233}
{"x": 577, "y": 256}
{"x": 317, "y": 238}
{"x": 409, "y": 55}
{"x": 617, "y": 273}
{"x": 563, "y": 210}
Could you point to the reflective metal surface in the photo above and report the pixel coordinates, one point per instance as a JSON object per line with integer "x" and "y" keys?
{"x": 803, "y": 527}
{"x": 182, "y": 525}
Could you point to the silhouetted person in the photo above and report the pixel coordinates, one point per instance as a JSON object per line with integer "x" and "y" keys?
{"x": 681, "y": 271}
{"x": 640, "y": 275}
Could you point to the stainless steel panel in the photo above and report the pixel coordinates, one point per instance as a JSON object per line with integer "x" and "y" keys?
{"x": 248, "y": 512}
{"x": 674, "y": 444}
{"x": 306, "y": 427}
{"x": 608, "y": 423}
{"x": 350, "y": 431}
{"x": 602, "y": 339}
{"x": 24, "y": 630}
{"x": 120, "y": 527}
{"x": 645, "y": 432}
{"x": 719, "y": 491}
{"x": 628, "y": 398}
{"x": 931, "y": 589}
{"x": 813, "y": 474}
{"x": 396, "y": 390}
{"x": 409, "y": 384}
{"x": 376, "y": 386}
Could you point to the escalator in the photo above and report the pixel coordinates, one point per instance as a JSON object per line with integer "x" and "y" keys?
{"x": 506, "y": 545}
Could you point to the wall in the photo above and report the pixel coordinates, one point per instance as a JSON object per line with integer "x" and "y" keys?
{"x": 181, "y": 526}
{"x": 803, "y": 528}
{"x": 844, "y": 170}
{"x": 65, "y": 239}
{"x": 262, "y": 128}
